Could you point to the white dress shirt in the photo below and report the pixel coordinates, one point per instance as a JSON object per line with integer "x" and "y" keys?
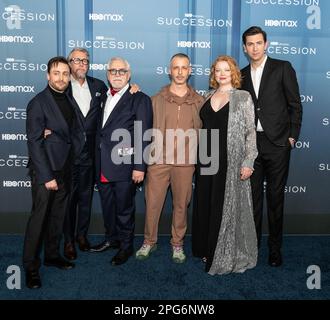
{"x": 111, "y": 103}
{"x": 256, "y": 74}
{"x": 82, "y": 95}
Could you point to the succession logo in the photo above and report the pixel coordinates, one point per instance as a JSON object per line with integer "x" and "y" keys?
{"x": 13, "y": 64}
{"x": 279, "y": 48}
{"x": 15, "y": 16}
{"x": 282, "y": 3}
{"x": 191, "y": 20}
{"x": 102, "y": 42}
{"x": 14, "y": 160}
{"x": 13, "y": 113}
{"x": 196, "y": 70}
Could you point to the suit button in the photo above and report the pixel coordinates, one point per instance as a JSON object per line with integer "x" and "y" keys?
{"x": 258, "y": 109}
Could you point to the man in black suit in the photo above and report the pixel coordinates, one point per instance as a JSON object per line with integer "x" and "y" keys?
{"x": 50, "y": 168}
{"x": 274, "y": 88}
{"x": 88, "y": 94}
{"x": 119, "y": 162}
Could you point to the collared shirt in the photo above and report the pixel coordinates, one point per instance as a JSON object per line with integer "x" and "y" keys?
{"x": 256, "y": 74}
{"x": 82, "y": 95}
{"x": 111, "y": 103}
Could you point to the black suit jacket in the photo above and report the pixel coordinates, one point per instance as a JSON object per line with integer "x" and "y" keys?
{"x": 86, "y": 126}
{"x": 47, "y": 155}
{"x": 130, "y": 108}
{"x": 278, "y": 106}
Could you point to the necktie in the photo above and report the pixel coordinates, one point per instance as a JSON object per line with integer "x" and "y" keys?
{"x": 113, "y": 91}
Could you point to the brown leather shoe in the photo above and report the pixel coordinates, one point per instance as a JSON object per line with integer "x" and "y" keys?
{"x": 83, "y": 243}
{"x": 70, "y": 251}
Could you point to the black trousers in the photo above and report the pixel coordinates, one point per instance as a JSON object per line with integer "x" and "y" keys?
{"x": 46, "y": 222}
{"x": 78, "y": 216}
{"x": 118, "y": 208}
{"x": 272, "y": 166}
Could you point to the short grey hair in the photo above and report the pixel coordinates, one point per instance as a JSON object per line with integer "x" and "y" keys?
{"x": 83, "y": 50}
{"x": 119, "y": 59}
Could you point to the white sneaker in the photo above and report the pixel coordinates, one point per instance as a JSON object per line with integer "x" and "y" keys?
{"x": 178, "y": 254}
{"x": 144, "y": 252}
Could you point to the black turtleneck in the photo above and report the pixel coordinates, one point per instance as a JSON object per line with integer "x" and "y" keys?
{"x": 64, "y": 105}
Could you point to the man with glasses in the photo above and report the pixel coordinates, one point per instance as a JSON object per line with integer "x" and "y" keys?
{"x": 88, "y": 94}
{"x": 119, "y": 162}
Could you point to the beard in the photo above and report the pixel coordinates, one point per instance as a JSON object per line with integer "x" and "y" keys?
{"x": 59, "y": 86}
{"x": 80, "y": 74}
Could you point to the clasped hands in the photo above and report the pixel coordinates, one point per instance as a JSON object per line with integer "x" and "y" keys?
{"x": 246, "y": 173}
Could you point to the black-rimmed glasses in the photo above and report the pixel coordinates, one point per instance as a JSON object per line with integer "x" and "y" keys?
{"x": 121, "y": 72}
{"x": 78, "y": 61}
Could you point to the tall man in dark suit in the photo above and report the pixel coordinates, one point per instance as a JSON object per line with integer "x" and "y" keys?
{"x": 50, "y": 166}
{"x": 274, "y": 88}
{"x": 88, "y": 94}
{"x": 119, "y": 162}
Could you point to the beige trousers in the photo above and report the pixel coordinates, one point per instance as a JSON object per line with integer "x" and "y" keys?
{"x": 158, "y": 179}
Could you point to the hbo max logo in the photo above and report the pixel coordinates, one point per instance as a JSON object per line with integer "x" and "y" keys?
{"x": 105, "y": 17}
{"x": 14, "y": 137}
{"x": 194, "y": 44}
{"x": 16, "y": 184}
{"x": 15, "y": 89}
{"x": 282, "y": 23}
{"x": 97, "y": 66}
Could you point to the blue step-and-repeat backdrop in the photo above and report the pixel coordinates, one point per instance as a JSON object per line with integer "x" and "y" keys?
{"x": 147, "y": 33}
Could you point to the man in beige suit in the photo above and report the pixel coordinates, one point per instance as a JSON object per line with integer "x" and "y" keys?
{"x": 176, "y": 112}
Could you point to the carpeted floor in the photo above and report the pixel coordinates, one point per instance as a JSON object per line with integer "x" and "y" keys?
{"x": 159, "y": 278}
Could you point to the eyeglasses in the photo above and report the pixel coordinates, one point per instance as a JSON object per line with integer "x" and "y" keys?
{"x": 78, "y": 60}
{"x": 114, "y": 72}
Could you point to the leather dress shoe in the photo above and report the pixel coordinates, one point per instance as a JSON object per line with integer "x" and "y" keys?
{"x": 105, "y": 245}
{"x": 70, "y": 251}
{"x": 275, "y": 259}
{"x": 121, "y": 257}
{"x": 59, "y": 262}
{"x": 83, "y": 243}
{"x": 32, "y": 279}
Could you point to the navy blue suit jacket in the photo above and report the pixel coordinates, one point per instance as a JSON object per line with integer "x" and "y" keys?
{"x": 130, "y": 108}
{"x": 86, "y": 126}
{"x": 47, "y": 155}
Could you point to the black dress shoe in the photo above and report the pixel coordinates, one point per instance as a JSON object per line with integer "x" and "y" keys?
{"x": 32, "y": 279}
{"x": 70, "y": 251}
{"x": 83, "y": 243}
{"x": 59, "y": 263}
{"x": 105, "y": 245}
{"x": 275, "y": 259}
{"x": 121, "y": 257}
